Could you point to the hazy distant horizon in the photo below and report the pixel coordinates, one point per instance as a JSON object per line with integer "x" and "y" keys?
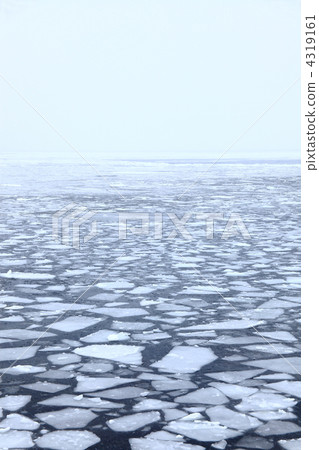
{"x": 98, "y": 158}
{"x": 147, "y": 79}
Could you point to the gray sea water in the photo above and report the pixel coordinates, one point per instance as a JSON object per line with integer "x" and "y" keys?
{"x": 156, "y": 341}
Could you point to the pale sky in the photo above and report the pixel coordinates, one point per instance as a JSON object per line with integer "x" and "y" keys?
{"x": 143, "y": 79}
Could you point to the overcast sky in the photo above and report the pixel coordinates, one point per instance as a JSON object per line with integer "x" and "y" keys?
{"x": 150, "y": 78}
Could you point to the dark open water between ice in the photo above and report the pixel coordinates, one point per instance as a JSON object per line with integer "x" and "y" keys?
{"x": 180, "y": 344}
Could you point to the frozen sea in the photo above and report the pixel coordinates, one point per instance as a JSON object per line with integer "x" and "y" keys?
{"x": 183, "y": 342}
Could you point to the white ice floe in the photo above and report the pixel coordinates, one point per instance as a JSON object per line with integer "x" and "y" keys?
{"x": 57, "y": 288}
{"x": 122, "y": 393}
{"x": 279, "y": 335}
{"x": 127, "y": 354}
{"x": 262, "y": 401}
{"x": 43, "y": 299}
{"x": 120, "y": 312}
{"x": 96, "y": 367}
{"x": 16, "y": 439}
{"x": 80, "y": 401}
{"x": 203, "y": 290}
{"x": 164, "y": 436}
{"x": 206, "y": 396}
{"x": 18, "y": 422}
{"x": 56, "y": 374}
{"x": 23, "y": 369}
{"x": 277, "y": 427}
{"x": 61, "y": 359}
{"x": 27, "y": 276}
{"x": 185, "y": 359}
{"x": 202, "y": 430}
{"x": 133, "y": 422}
{"x": 113, "y": 285}
{"x": 288, "y": 387}
{"x": 17, "y": 353}
{"x": 156, "y": 444}
{"x": 276, "y": 348}
{"x": 279, "y": 304}
{"x": 173, "y": 414}
{"x": 254, "y": 442}
{"x": 234, "y": 391}
{"x": 287, "y": 364}
{"x": 149, "y": 404}
{"x": 149, "y": 336}
{"x": 14, "y": 402}
{"x": 19, "y": 333}
{"x": 170, "y": 385}
{"x": 227, "y": 325}
{"x": 237, "y": 340}
{"x": 104, "y": 297}
{"x": 14, "y": 299}
{"x": 75, "y": 323}
{"x": 13, "y": 318}
{"x": 143, "y": 290}
{"x": 67, "y": 440}
{"x": 232, "y": 419}
{"x": 275, "y": 376}
{"x": 293, "y": 444}
{"x": 74, "y": 272}
{"x": 221, "y": 445}
{"x": 278, "y": 414}
{"x": 234, "y": 376}
{"x": 67, "y": 418}
{"x": 59, "y": 306}
{"x": 131, "y": 326}
{"x": 105, "y": 336}
{"x": 90, "y": 384}
{"x": 45, "y": 386}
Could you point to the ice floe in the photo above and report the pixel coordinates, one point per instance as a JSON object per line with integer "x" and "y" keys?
{"x": 128, "y": 354}
{"x": 67, "y": 418}
{"x": 293, "y": 444}
{"x": 232, "y": 419}
{"x": 277, "y": 427}
{"x": 16, "y": 439}
{"x": 17, "y": 353}
{"x": 133, "y": 421}
{"x": 157, "y": 444}
{"x": 262, "y": 401}
{"x": 18, "y": 422}
{"x": 105, "y": 336}
{"x": 45, "y": 386}
{"x": 67, "y": 440}
{"x": 14, "y": 402}
{"x": 233, "y": 390}
{"x": 91, "y": 384}
{"x": 185, "y": 359}
{"x": 202, "y": 430}
{"x": 206, "y": 396}
{"x": 80, "y": 401}
{"x": 75, "y": 323}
